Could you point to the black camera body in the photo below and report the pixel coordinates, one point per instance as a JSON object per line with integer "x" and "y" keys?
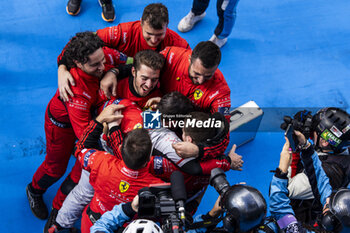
{"x": 157, "y": 203}
{"x": 301, "y": 121}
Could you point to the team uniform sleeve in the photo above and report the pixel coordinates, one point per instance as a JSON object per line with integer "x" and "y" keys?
{"x": 165, "y": 52}
{"x": 87, "y": 156}
{"x": 279, "y": 201}
{"x": 211, "y": 151}
{"x": 114, "y": 57}
{"x": 111, "y": 36}
{"x": 218, "y": 144}
{"x": 222, "y": 104}
{"x": 79, "y": 113}
{"x": 61, "y": 59}
{"x": 114, "y": 140}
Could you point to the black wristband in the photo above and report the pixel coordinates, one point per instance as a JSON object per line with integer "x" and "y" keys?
{"x": 127, "y": 208}
{"x": 114, "y": 71}
{"x": 280, "y": 174}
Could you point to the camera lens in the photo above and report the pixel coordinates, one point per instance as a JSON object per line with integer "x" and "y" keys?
{"x": 218, "y": 181}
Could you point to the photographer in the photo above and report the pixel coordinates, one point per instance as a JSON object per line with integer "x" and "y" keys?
{"x": 329, "y": 131}
{"x": 336, "y": 206}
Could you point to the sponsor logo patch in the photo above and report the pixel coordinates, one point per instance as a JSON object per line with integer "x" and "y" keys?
{"x": 336, "y": 131}
{"x": 138, "y": 126}
{"x": 158, "y": 165}
{"x": 331, "y": 138}
{"x": 123, "y": 186}
{"x": 346, "y": 129}
{"x": 197, "y": 94}
{"x": 213, "y": 95}
{"x": 87, "y": 156}
{"x": 224, "y": 110}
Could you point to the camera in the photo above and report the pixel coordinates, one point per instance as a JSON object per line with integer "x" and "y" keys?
{"x": 156, "y": 202}
{"x": 301, "y": 121}
{"x": 244, "y": 206}
{"x": 165, "y": 203}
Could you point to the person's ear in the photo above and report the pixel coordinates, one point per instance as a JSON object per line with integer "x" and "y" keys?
{"x": 188, "y": 138}
{"x": 133, "y": 71}
{"x": 78, "y": 64}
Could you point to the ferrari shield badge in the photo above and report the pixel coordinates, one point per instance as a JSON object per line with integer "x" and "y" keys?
{"x": 123, "y": 186}
{"x": 197, "y": 94}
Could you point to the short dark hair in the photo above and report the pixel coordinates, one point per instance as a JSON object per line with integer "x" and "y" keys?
{"x": 208, "y": 53}
{"x": 81, "y": 46}
{"x": 175, "y": 103}
{"x": 156, "y": 14}
{"x": 136, "y": 149}
{"x": 198, "y": 134}
{"x": 149, "y": 58}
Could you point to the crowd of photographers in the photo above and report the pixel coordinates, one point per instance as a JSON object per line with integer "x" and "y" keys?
{"x": 130, "y": 179}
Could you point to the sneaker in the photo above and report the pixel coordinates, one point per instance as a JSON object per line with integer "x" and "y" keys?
{"x": 73, "y": 7}
{"x": 108, "y": 13}
{"x": 51, "y": 222}
{"x": 187, "y": 22}
{"x": 53, "y": 229}
{"x": 56, "y": 228}
{"x": 37, "y": 204}
{"x": 217, "y": 41}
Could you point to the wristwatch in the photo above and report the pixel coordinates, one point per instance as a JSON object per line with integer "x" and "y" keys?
{"x": 305, "y": 146}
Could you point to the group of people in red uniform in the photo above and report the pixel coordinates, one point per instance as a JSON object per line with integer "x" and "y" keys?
{"x": 106, "y": 79}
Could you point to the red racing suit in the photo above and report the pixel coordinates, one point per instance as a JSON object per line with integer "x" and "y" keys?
{"x": 113, "y": 181}
{"x": 126, "y": 90}
{"x": 128, "y": 38}
{"x": 211, "y": 96}
{"x": 64, "y": 123}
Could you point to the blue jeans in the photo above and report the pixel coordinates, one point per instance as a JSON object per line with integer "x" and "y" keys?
{"x": 226, "y": 11}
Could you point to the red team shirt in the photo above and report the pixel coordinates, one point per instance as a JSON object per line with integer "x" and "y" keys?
{"x": 211, "y": 96}
{"x": 125, "y": 90}
{"x": 114, "y": 183}
{"x": 128, "y": 38}
{"x": 87, "y": 96}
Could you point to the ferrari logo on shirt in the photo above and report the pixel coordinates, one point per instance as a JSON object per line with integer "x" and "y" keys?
{"x": 123, "y": 186}
{"x": 138, "y": 126}
{"x": 197, "y": 94}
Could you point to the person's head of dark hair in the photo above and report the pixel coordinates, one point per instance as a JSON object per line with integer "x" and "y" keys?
{"x": 148, "y": 58}
{"x": 175, "y": 103}
{"x": 197, "y": 129}
{"x": 81, "y": 46}
{"x": 208, "y": 53}
{"x": 156, "y": 15}
{"x": 136, "y": 149}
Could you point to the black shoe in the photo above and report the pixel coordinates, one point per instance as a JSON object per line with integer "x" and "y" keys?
{"x": 51, "y": 221}
{"x": 73, "y": 7}
{"x": 108, "y": 13}
{"x": 37, "y": 204}
{"x": 58, "y": 229}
